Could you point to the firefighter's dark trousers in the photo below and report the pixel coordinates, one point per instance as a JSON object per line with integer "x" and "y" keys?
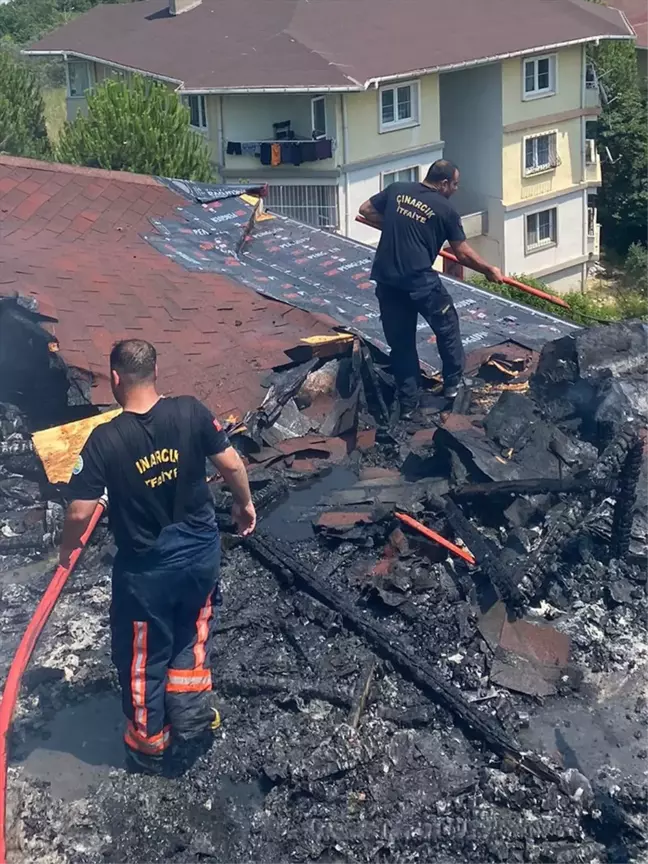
{"x": 399, "y": 310}
{"x": 162, "y": 622}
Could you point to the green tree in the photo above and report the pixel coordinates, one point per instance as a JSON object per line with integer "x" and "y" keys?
{"x": 22, "y": 112}
{"x": 636, "y": 269}
{"x": 139, "y": 126}
{"x": 623, "y": 143}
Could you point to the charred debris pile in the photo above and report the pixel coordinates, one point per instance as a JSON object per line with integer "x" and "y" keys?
{"x": 386, "y": 698}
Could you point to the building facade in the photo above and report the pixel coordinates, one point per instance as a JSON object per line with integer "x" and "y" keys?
{"x": 520, "y": 124}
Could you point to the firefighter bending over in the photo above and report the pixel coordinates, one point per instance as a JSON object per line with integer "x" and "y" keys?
{"x": 151, "y": 459}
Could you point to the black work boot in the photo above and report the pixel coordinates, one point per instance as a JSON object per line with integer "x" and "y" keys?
{"x": 144, "y": 763}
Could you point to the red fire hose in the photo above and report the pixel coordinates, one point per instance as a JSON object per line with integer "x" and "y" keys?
{"x": 22, "y": 657}
{"x": 550, "y": 298}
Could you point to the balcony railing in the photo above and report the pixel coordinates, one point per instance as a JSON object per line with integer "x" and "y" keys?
{"x": 592, "y": 162}
{"x": 313, "y": 204}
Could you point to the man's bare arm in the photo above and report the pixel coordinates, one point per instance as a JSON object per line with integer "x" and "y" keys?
{"x": 77, "y": 517}
{"x": 467, "y": 256}
{"x": 231, "y": 467}
{"x": 371, "y": 215}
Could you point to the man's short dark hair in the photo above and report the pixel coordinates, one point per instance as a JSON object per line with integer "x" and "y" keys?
{"x": 134, "y": 359}
{"x": 442, "y": 169}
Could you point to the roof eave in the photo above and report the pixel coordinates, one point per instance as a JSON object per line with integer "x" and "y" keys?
{"x": 495, "y": 58}
{"x": 64, "y": 53}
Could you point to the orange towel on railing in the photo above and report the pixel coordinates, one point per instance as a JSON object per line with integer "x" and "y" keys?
{"x": 275, "y": 154}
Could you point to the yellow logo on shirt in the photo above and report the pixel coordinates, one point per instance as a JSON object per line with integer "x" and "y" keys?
{"x": 411, "y": 207}
{"x": 159, "y": 457}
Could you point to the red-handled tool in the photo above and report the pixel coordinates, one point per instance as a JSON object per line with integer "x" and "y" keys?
{"x": 536, "y": 292}
{"x": 23, "y": 656}
{"x": 432, "y": 535}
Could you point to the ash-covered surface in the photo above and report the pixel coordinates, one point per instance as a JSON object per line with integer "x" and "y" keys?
{"x": 288, "y": 778}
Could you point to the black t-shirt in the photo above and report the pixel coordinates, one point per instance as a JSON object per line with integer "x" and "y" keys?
{"x": 417, "y": 221}
{"x": 153, "y": 466}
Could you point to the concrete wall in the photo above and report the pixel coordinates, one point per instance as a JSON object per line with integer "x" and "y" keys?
{"x": 365, "y": 139}
{"x": 567, "y": 280}
{"x": 569, "y": 77}
{"x": 363, "y": 182}
{"x": 571, "y": 235}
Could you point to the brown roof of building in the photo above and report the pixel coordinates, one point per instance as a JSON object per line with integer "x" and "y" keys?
{"x": 327, "y": 44}
{"x": 69, "y": 238}
{"x": 636, "y": 11}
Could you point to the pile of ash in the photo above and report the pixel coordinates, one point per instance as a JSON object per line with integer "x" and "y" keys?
{"x": 385, "y": 700}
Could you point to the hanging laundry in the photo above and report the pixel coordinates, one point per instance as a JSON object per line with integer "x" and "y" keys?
{"x": 265, "y": 154}
{"x": 234, "y": 148}
{"x": 309, "y": 154}
{"x": 275, "y": 154}
{"x": 250, "y": 148}
{"x": 324, "y": 148}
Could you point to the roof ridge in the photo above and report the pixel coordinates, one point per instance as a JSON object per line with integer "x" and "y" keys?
{"x": 64, "y": 168}
{"x": 288, "y": 32}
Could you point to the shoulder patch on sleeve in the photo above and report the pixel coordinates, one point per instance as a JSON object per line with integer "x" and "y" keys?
{"x": 78, "y": 465}
{"x": 217, "y": 426}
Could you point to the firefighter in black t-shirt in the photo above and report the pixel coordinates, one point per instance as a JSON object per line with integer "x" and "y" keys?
{"x": 415, "y": 220}
{"x": 151, "y": 459}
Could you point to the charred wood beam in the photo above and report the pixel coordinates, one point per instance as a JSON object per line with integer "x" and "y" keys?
{"x": 610, "y": 464}
{"x": 361, "y": 692}
{"x": 533, "y": 486}
{"x": 373, "y": 393}
{"x": 488, "y": 558}
{"x": 279, "y": 558}
{"x": 247, "y": 685}
{"x": 626, "y": 495}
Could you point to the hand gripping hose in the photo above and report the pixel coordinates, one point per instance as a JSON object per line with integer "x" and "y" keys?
{"x": 536, "y": 292}
{"x": 23, "y": 655}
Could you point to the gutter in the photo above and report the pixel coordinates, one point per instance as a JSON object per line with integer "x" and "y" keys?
{"x": 89, "y": 57}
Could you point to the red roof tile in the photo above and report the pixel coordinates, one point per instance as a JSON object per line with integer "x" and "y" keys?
{"x": 69, "y": 237}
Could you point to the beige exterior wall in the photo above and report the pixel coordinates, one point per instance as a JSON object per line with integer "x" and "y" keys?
{"x": 518, "y": 187}
{"x": 569, "y": 78}
{"x": 365, "y": 139}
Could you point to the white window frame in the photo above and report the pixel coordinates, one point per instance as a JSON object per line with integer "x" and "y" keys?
{"x": 384, "y": 174}
{"x": 540, "y": 169}
{"x": 202, "y": 110}
{"x": 68, "y": 77}
{"x": 537, "y": 93}
{"x": 405, "y": 123}
{"x": 314, "y": 129}
{"x": 541, "y": 244}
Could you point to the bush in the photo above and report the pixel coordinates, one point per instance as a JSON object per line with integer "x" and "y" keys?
{"x": 636, "y": 269}
{"x": 139, "y": 126}
{"x": 22, "y": 112}
{"x": 583, "y": 308}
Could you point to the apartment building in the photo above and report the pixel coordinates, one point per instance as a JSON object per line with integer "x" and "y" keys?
{"x": 329, "y": 102}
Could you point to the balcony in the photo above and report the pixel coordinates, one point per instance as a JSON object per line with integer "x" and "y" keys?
{"x": 592, "y": 163}
{"x": 593, "y": 232}
{"x": 475, "y": 224}
{"x": 592, "y": 95}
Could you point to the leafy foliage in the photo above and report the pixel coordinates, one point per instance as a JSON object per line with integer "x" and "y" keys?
{"x": 584, "y": 308}
{"x": 136, "y": 125}
{"x": 24, "y": 21}
{"x": 22, "y": 111}
{"x": 623, "y": 131}
{"x": 636, "y": 268}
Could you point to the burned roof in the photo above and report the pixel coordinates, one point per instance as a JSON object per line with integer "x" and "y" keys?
{"x": 70, "y": 245}
{"x": 331, "y": 44}
{"x": 636, "y": 11}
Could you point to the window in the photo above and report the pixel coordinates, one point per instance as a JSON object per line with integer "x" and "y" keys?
{"x": 541, "y": 229}
{"x": 540, "y": 152}
{"x": 539, "y": 76}
{"x": 399, "y": 106}
{"x": 591, "y": 215}
{"x": 78, "y": 78}
{"x": 315, "y": 205}
{"x": 405, "y": 175}
{"x": 197, "y": 110}
{"x": 318, "y": 116}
